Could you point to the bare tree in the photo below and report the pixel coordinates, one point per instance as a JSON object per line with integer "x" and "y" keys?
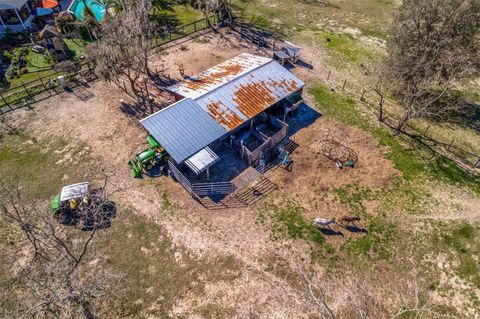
{"x": 432, "y": 44}
{"x": 57, "y": 276}
{"x": 222, "y": 8}
{"x": 124, "y": 45}
{"x": 369, "y": 296}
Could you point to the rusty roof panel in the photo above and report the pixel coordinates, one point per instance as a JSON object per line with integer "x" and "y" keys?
{"x": 248, "y": 95}
{"x": 209, "y": 80}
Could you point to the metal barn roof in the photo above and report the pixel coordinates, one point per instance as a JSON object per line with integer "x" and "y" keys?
{"x": 210, "y": 79}
{"x": 249, "y": 95}
{"x": 232, "y": 98}
{"x": 183, "y": 129}
{"x": 219, "y": 100}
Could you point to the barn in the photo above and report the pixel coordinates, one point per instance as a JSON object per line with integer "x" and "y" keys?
{"x": 240, "y": 104}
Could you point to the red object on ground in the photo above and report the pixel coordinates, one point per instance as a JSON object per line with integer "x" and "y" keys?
{"x": 47, "y": 4}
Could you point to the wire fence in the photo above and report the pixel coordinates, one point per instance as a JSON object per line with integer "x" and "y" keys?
{"x": 44, "y": 86}
{"x": 453, "y": 148}
{"x": 466, "y": 158}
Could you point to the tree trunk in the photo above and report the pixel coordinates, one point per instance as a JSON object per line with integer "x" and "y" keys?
{"x": 380, "y": 111}
{"x": 147, "y": 69}
{"x": 406, "y": 116}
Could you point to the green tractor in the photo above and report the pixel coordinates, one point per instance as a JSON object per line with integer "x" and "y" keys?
{"x": 148, "y": 158}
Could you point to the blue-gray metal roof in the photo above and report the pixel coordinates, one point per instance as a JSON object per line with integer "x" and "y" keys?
{"x": 183, "y": 129}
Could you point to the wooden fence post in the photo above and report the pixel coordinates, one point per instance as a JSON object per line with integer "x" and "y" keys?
{"x": 26, "y": 91}
{"x": 328, "y": 76}
{"x": 43, "y": 84}
{"x": 425, "y": 134}
{"x": 450, "y": 145}
{"x": 4, "y": 100}
{"x": 344, "y": 83}
{"x": 363, "y": 95}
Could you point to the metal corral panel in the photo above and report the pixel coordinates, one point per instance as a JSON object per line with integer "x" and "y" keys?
{"x": 183, "y": 129}
{"x": 247, "y": 96}
{"x": 207, "y": 81}
{"x": 202, "y": 160}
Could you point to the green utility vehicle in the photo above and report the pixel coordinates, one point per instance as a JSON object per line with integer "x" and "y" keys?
{"x": 147, "y": 159}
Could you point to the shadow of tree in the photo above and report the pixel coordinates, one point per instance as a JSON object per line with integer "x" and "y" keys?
{"x": 139, "y": 110}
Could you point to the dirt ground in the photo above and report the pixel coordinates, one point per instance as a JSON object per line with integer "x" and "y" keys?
{"x": 114, "y": 135}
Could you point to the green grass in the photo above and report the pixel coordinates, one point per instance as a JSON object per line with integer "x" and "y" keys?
{"x": 408, "y": 161}
{"x": 353, "y": 195}
{"x": 38, "y": 166}
{"x": 460, "y": 242}
{"x": 77, "y": 47}
{"x": 344, "y": 50}
{"x": 378, "y": 243}
{"x": 287, "y": 221}
{"x": 177, "y": 14}
{"x": 38, "y": 62}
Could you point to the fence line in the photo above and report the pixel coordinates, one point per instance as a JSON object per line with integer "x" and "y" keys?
{"x": 464, "y": 157}
{"x": 25, "y": 93}
{"x": 180, "y": 178}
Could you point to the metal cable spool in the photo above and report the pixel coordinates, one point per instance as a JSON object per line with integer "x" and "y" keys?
{"x": 333, "y": 145}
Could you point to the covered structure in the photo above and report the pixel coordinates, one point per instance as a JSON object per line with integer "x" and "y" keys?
{"x": 240, "y": 102}
{"x": 16, "y": 15}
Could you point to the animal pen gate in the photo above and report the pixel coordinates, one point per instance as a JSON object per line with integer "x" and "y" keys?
{"x": 218, "y": 188}
{"x": 269, "y": 141}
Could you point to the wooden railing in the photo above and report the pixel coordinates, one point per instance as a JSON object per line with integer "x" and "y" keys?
{"x": 272, "y": 141}
{"x": 168, "y": 35}
{"x": 280, "y": 135}
{"x": 218, "y": 188}
{"x": 28, "y": 92}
